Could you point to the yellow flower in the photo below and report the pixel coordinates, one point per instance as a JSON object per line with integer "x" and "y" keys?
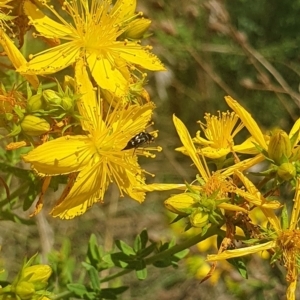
{"x": 97, "y": 158}
{"x": 209, "y": 188}
{"x": 94, "y": 36}
{"x": 285, "y": 243}
{"x": 220, "y": 132}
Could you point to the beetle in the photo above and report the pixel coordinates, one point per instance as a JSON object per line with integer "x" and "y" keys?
{"x": 139, "y": 140}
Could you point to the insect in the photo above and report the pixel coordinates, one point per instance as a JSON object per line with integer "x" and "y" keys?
{"x": 138, "y": 140}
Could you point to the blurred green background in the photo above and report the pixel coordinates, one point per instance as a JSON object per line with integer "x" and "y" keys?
{"x": 246, "y": 49}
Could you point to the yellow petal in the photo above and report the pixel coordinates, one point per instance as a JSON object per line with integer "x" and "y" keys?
{"x": 52, "y": 60}
{"x": 87, "y": 104}
{"x": 241, "y": 252}
{"x": 231, "y": 207}
{"x": 61, "y": 156}
{"x": 189, "y": 145}
{"x": 84, "y": 193}
{"x": 124, "y": 9}
{"x": 291, "y": 290}
{"x": 248, "y": 121}
{"x": 248, "y": 184}
{"x": 16, "y": 57}
{"x": 128, "y": 180}
{"x": 296, "y": 127}
{"x": 243, "y": 165}
{"x": 214, "y": 153}
{"x": 43, "y": 24}
{"x": 258, "y": 201}
{"x": 138, "y": 56}
{"x": 296, "y": 209}
{"x": 160, "y": 187}
{"x": 107, "y": 75}
{"x": 131, "y": 121}
{"x": 246, "y": 147}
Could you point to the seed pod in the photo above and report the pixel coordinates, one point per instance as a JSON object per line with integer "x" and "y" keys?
{"x": 34, "y": 126}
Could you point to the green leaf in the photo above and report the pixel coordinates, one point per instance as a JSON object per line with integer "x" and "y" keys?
{"x": 141, "y": 270}
{"x": 94, "y": 276}
{"x": 140, "y": 241}
{"x": 240, "y": 265}
{"x": 81, "y": 291}
{"x": 111, "y": 293}
{"x": 120, "y": 260}
{"x": 148, "y": 250}
{"x": 124, "y": 247}
{"x": 94, "y": 252}
{"x": 33, "y": 190}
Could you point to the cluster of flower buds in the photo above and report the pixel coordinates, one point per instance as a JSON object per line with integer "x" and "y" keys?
{"x": 30, "y": 283}
{"x": 281, "y": 154}
{"x": 200, "y": 210}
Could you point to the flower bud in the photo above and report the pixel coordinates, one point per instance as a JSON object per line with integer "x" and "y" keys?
{"x": 34, "y": 103}
{"x": 25, "y": 290}
{"x": 38, "y": 275}
{"x": 67, "y": 103}
{"x": 279, "y": 148}
{"x": 199, "y": 218}
{"x": 137, "y": 29}
{"x": 182, "y": 204}
{"x": 286, "y": 171}
{"x": 34, "y": 126}
{"x": 52, "y": 98}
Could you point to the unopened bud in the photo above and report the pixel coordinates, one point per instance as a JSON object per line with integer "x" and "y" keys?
{"x": 182, "y": 204}
{"x": 137, "y": 29}
{"x": 34, "y": 126}
{"x": 279, "y": 148}
{"x": 286, "y": 171}
{"x": 25, "y": 290}
{"x": 34, "y": 103}
{"x": 67, "y": 103}
{"x": 52, "y": 98}
{"x": 199, "y": 218}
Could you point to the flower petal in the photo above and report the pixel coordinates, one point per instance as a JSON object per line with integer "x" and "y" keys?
{"x": 189, "y": 145}
{"x": 107, "y": 75}
{"x": 52, "y": 60}
{"x": 43, "y": 24}
{"x": 137, "y": 55}
{"x": 124, "y": 9}
{"x": 241, "y": 252}
{"x": 248, "y": 121}
{"x": 296, "y": 127}
{"x": 16, "y": 57}
{"x": 61, "y": 156}
{"x": 86, "y": 191}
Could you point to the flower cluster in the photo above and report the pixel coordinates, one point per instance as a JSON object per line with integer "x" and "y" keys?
{"x": 89, "y": 124}
{"x": 81, "y": 129}
{"x": 220, "y": 201}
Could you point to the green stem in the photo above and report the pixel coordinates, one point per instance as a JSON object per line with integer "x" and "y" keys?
{"x": 62, "y": 295}
{"x": 213, "y": 230}
{"x": 185, "y": 245}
